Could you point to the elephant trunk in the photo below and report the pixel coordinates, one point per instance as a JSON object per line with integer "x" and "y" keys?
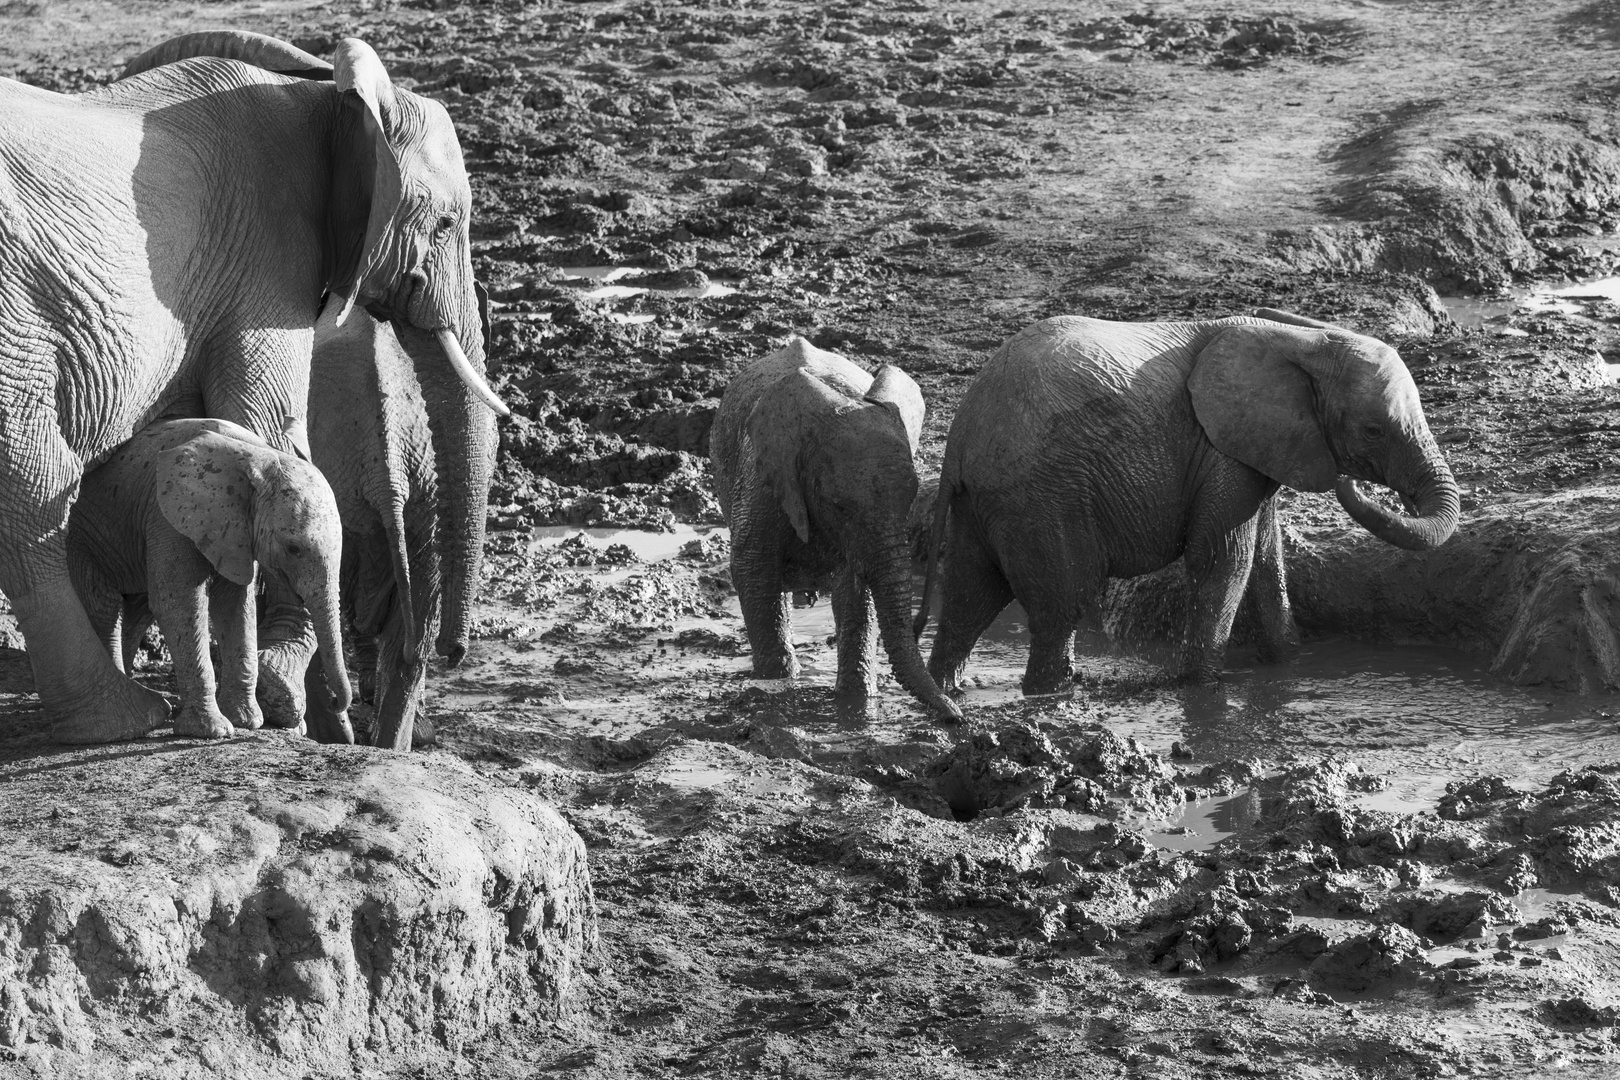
{"x": 463, "y": 431}
{"x": 889, "y": 578}
{"x": 1434, "y": 495}
{"x": 329, "y": 638}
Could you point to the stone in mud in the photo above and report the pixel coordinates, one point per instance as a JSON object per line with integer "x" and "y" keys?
{"x": 299, "y": 907}
{"x": 1581, "y": 1012}
{"x": 1363, "y": 961}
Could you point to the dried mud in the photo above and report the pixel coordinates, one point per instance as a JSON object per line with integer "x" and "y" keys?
{"x": 1385, "y": 861}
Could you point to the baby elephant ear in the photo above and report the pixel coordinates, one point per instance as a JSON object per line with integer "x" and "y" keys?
{"x": 205, "y": 490}
{"x": 786, "y": 418}
{"x": 897, "y": 392}
{"x": 1258, "y": 405}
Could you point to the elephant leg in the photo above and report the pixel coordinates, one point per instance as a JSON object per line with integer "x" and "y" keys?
{"x": 1218, "y": 567}
{"x": 765, "y": 607}
{"x": 365, "y": 661}
{"x": 1051, "y": 650}
{"x": 102, "y": 606}
{"x": 87, "y": 698}
{"x": 1267, "y": 594}
{"x": 854, "y": 616}
{"x": 973, "y": 591}
{"x": 286, "y": 646}
{"x": 234, "y": 612}
{"x": 133, "y": 623}
{"x": 177, "y": 579}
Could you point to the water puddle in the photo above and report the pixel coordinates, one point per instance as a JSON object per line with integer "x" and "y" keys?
{"x": 602, "y": 283}
{"x": 1204, "y": 823}
{"x": 1477, "y": 312}
{"x": 646, "y": 546}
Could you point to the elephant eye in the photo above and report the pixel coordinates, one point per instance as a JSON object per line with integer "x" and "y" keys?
{"x": 445, "y": 224}
{"x": 1373, "y": 431}
{"x": 294, "y": 550}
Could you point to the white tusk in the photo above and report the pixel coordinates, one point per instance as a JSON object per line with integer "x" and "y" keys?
{"x": 469, "y": 374}
{"x": 348, "y": 305}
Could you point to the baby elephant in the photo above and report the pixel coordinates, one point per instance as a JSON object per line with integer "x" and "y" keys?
{"x": 813, "y": 468}
{"x": 181, "y": 513}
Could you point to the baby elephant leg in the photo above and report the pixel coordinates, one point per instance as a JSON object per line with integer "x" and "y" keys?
{"x": 177, "y": 577}
{"x": 857, "y": 645}
{"x": 234, "y": 609}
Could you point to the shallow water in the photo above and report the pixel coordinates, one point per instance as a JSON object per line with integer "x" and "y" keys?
{"x": 1473, "y": 311}
{"x": 607, "y": 276}
{"x": 645, "y": 545}
{"x": 1421, "y": 716}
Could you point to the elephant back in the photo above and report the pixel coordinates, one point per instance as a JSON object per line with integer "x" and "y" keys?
{"x": 752, "y": 383}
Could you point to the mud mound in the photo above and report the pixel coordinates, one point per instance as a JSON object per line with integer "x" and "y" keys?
{"x": 289, "y": 906}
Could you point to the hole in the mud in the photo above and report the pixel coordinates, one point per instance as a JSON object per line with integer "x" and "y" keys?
{"x": 958, "y": 796}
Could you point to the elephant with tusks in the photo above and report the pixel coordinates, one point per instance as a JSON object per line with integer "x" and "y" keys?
{"x": 165, "y": 244}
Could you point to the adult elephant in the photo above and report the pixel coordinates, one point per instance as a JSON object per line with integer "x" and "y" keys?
{"x": 1088, "y": 449}
{"x": 164, "y": 246}
{"x": 373, "y": 388}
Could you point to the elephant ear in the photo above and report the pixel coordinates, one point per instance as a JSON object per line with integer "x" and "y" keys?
{"x": 205, "y": 490}
{"x": 897, "y": 392}
{"x": 367, "y": 185}
{"x": 1258, "y": 405}
{"x": 784, "y": 420}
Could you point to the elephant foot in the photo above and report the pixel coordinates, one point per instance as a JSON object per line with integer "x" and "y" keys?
{"x": 243, "y": 714}
{"x": 776, "y": 667}
{"x": 423, "y": 733}
{"x": 202, "y": 722}
{"x": 281, "y": 686}
{"x": 127, "y": 710}
{"x": 855, "y": 686}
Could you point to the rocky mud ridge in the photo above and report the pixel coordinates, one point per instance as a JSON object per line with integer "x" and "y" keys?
{"x": 1288, "y": 880}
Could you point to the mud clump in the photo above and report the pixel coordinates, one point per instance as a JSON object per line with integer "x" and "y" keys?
{"x": 397, "y": 921}
{"x": 1362, "y": 962}
{"x": 1021, "y": 765}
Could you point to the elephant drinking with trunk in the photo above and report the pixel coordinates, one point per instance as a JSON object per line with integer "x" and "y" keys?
{"x": 813, "y": 469}
{"x": 1086, "y": 449}
{"x": 165, "y": 243}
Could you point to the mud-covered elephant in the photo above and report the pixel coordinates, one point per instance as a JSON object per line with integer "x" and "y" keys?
{"x": 165, "y": 243}
{"x": 188, "y": 515}
{"x": 372, "y": 387}
{"x": 1086, "y": 449}
{"x": 813, "y": 470}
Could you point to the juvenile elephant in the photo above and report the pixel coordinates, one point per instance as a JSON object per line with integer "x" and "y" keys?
{"x": 185, "y": 514}
{"x": 813, "y": 469}
{"x": 1087, "y": 449}
{"x": 165, "y": 242}
{"x": 369, "y": 433}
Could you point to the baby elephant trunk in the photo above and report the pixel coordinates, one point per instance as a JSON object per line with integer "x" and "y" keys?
{"x": 329, "y": 637}
{"x": 889, "y": 578}
{"x": 1434, "y": 496}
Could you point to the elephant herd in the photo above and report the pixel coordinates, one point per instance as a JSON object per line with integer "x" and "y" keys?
{"x": 1083, "y": 450}
{"x": 242, "y": 395}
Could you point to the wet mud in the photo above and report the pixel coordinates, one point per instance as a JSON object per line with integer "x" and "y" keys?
{"x": 1398, "y": 856}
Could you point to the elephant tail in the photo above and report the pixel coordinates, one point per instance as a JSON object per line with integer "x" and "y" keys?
{"x": 944, "y": 495}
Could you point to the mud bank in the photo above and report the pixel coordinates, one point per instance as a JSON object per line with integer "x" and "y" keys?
{"x": 268, "y": 907}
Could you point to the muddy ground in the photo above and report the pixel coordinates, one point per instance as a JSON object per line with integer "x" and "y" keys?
{"x": 1394, "y": 865}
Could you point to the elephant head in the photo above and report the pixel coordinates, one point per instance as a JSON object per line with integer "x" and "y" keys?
{"x": 398, "y": 243}
{"x": 242, "y": 504}
{"x": 1316, "y": 407}
{"x": 841, "y": 468}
